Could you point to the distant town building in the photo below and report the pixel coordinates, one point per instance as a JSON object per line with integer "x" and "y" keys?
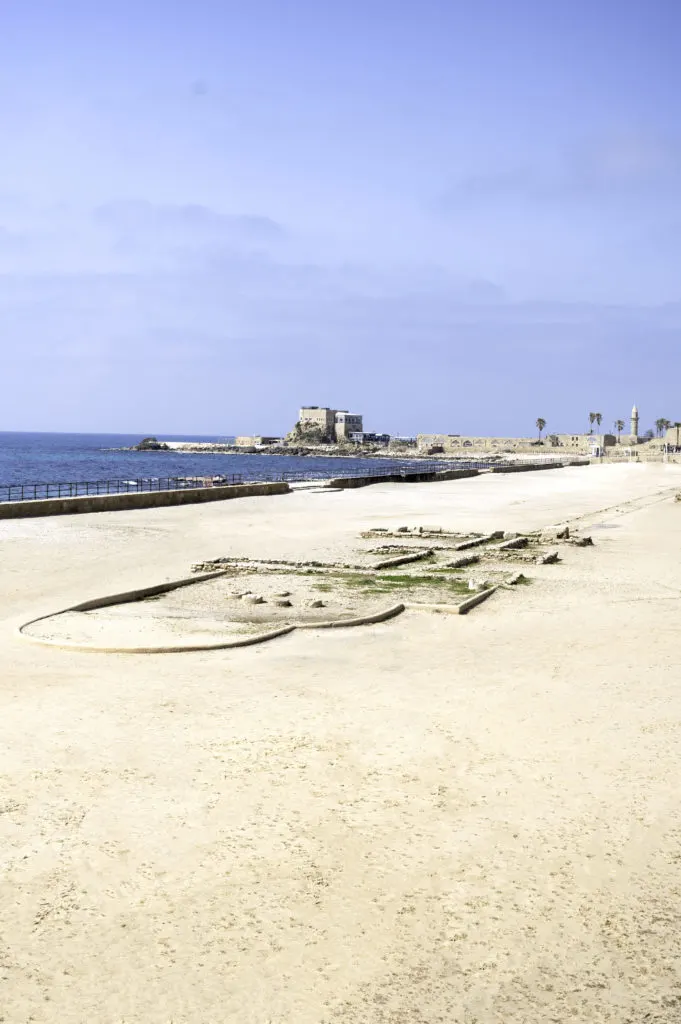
{"x": 576, "y": 444}
{"x": 363, "y": 437}
{"x": 255, "y": 440}
{"x": 346, "y": 423}
{"x": 634, "y": 425}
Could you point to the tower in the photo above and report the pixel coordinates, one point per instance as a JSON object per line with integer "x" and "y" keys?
{"x": 634, "y": 422}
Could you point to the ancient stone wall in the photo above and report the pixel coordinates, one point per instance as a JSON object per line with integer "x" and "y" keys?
{"x": 460, "y": 444}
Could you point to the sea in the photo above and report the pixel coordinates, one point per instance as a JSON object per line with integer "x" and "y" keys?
{"x": 52, "y": 458}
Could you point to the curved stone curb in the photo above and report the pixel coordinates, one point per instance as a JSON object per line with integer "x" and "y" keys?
{"x": 425, "y": 606}
{"x": 455, "y": 609}
{"x": 129, "y": 596}
{"x": 125, "y": 597}
{"x": 178, "y": 649}
{"x": 363, "y": 620}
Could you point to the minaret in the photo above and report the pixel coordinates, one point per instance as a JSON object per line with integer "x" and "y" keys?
{"x": 634, "y": 423}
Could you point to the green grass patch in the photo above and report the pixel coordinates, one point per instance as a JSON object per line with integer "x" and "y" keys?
{"x": 441, "y": 579}
{"x": 395, "y": 552}
{"x": 381, "y": 583}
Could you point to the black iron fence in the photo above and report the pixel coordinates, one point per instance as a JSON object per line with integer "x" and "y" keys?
{"x": 78, "y": 488}
{"x": 405, "y": 469}
{"x": 412, "y": 467}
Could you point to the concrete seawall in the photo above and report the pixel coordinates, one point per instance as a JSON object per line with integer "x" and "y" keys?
{"x": 133, "y": 500}
{"x": 527, "y": 469}
{"x": 445, "y": 474}
{"x": 195, "y": 495}
{"x": 366, "y": 481}
{"x": 457, "y": 474}
{"x": 397, "y": 478}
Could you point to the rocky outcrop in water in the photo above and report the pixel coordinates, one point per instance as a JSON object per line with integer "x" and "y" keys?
{"x": 151, "y": 444}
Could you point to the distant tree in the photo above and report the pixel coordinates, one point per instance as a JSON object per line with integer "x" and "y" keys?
{"x": 592, "y": 420}
{"x": 540, "y": 426}
{"x": 659, "y": 427}
{"x": 598, "y": 417}
{"x": 619, "y": 427}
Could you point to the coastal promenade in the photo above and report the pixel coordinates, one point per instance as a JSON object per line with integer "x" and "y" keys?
{"x": 432, "y": 819}
{"x": 21, "y": 501}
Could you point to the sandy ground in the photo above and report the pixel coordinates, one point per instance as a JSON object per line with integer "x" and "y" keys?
{"x": 438, "y": 819}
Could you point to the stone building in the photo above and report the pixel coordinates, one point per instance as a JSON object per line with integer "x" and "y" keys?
{"x": 318, "y": 416}
{"x": 362, "y": 437}
{"x": 336, "y": 424}
{"x": 573, "y": 444}
{"x": 247, "y": 441}
{"x": 633, "y": 436}
{"x": 347, "y": 423}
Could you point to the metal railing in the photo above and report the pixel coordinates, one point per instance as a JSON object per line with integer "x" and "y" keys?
{"x": 404, "y": 469}
{"x": 412, "y": 467}
{"x": 78, "y": 488}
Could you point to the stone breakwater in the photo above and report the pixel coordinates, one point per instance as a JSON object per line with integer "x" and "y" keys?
{"x": 330, "y": 451}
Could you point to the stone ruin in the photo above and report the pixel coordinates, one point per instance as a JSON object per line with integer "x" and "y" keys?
{"x": 235, "y": 601}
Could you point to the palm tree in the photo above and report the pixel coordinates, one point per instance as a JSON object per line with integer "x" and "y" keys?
{"x": 659, "y": 426}
{"x": 592, "y": 420}
{"x": 598, "y": 417}
{"x": 540, "y": 426}
{"x": 619, "y": 427}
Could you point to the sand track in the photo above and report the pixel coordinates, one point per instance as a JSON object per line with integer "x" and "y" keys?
{"x": 439, "y": 820}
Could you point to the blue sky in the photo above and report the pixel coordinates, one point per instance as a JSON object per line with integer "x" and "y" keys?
{"x": 449, "y": 216}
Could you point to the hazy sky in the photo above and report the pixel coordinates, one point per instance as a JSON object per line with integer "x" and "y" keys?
{"x": 445, "y": 214}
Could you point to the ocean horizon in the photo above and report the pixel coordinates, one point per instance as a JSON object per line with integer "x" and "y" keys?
{"x": 42, "y": 457}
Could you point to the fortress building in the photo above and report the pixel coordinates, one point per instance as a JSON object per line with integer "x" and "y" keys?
{"x": 336, "y": 424}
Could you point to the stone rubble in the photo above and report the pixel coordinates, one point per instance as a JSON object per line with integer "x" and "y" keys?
{"x": 547, "y": 559}
{"x": 515, "y": 544}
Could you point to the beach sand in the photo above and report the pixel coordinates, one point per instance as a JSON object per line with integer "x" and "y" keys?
{"x": 436, "y": 819}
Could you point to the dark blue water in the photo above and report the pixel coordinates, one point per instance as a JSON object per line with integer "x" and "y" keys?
{"x": 37, "y": 458}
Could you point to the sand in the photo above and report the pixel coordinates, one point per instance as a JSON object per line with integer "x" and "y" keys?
{"x": 438, "y": 819}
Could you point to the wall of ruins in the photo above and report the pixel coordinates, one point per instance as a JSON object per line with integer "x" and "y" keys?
{"x": 569, "y": 443}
